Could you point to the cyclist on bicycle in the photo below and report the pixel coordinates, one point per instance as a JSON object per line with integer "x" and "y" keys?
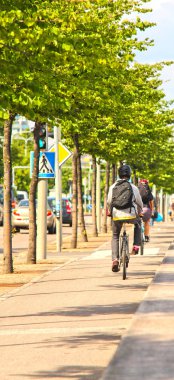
{"x": 128, "y": 215}
{"x": 148, "y": 206}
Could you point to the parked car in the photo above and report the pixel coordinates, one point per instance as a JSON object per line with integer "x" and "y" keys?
{"x": 1, "y": 215}
{"x": 21, "y": 195}
{"x": 66, "y": 209}
{"x": 20, "y": 217}
{"x": 13, "y": 196}
{"x": 13, "y": 202}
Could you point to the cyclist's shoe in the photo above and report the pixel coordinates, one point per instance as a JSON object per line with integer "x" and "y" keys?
{"x": 115, "y": 266}
{"x": 147, "y": 238}
{"x": 135, "y": 250}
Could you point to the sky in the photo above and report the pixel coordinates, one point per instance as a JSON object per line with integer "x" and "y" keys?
{"x": 163, "y": 36}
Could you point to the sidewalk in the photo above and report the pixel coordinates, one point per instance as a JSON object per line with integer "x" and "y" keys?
{"x": 69, "y": 322}
{"x": 24, "y": 273}
{"x": 147, "y": 349}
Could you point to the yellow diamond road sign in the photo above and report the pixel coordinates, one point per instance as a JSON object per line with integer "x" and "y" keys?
{"x": 64, "y": 153}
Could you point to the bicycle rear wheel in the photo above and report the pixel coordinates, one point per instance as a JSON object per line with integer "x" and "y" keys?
{"x": 142, "y": 240}
{"x": 124, "y": 252}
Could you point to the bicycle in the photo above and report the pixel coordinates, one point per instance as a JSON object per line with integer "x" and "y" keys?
{"x": 142, "y": 238}
{"x": 124, "y": 250}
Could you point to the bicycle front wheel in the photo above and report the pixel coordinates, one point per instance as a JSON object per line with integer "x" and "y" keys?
{"x": 142, "y": 248}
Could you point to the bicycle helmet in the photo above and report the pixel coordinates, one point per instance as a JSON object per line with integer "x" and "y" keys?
{"x": 144, "y": 181}
{"x": 124, "y": 171}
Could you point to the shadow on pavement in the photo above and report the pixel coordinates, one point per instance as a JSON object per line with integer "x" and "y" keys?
{"x": 69, "y": 372}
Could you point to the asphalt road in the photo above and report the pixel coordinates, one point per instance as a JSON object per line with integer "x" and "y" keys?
{"x": 20, "y": 240}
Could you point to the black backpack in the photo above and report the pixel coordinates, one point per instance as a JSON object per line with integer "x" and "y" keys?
{"x": 122, "y": 194}
{"x": 144, "y": 192}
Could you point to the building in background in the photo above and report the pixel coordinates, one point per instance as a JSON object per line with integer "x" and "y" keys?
{"x": 21, "y": 124}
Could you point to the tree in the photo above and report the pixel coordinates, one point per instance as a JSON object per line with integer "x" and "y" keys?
{"x": 106, "y": 189}
{"x": 79, "y": 190}
{"x": 7, "y": 231}
{"x": 72, "y": 63}
{"x": 31, "y": 256}
{"x": 94, "y": 220}
{"x": 74, "y": 200}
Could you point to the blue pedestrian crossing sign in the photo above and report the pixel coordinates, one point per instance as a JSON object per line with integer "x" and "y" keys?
{"x": 46, "y": 164}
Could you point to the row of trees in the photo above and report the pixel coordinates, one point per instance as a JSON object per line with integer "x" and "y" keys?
{"x": 73, "y": 64}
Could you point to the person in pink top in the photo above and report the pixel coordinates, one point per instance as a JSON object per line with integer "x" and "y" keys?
{"x": 148, "y": 206}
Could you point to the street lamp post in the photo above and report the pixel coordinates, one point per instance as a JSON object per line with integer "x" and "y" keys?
{"x": 13, "y": 172}
{"x": 17, "y": 136}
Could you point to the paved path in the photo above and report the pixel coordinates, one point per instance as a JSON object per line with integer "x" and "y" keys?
{"x": 147, "y": 350}
{"x": 68, "y": 323}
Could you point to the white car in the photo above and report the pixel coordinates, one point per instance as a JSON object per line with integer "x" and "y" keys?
{"x": 20, "y": 217}
{"x": 21, "y": 195}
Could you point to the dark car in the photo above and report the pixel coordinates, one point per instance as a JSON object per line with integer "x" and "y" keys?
{"x": 66, "y": 209}
{"x": 1, "y": 214}
{"x": 13, "y": 202}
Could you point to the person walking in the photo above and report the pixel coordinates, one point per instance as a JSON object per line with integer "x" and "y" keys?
{"x": 171, "y": 209}
{"x": 122, "y": 210}
{"x": 148, "y": 206}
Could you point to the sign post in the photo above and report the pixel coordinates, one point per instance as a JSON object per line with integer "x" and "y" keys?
{"x": 41, "y": 246}
{"x": 58, "y": 190}
{"x": 62, "y": 154}
{"x": 98, "y": 198}
{"x": 41, "y": 243}
{"x": 46, "y": 170}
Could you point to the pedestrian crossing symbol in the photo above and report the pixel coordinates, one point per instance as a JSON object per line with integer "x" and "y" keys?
{"x": 46, "y": 164}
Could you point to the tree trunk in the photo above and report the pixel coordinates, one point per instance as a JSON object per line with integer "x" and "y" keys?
{"x": 31, "y": 254}
{"x": 80, "y": 196}
{"x": 116, "y": 171}
{"x": 7, "y": 230}
{"x": 74, "y": 200}
{"x": 93, "y": 195}
{"x": 113, "y": 173}
{"x": 113, "y": 179}
{"x": 104, "y": 226}
{"x": 135, "y": 179}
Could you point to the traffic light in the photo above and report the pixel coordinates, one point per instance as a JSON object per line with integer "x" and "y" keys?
{"x": 43, "y": 136}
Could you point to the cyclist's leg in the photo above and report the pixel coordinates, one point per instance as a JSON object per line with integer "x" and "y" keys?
{"x": 147, "y": 230}
{"x": 116, "y": 228}
{"x": 137, "y": 236}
